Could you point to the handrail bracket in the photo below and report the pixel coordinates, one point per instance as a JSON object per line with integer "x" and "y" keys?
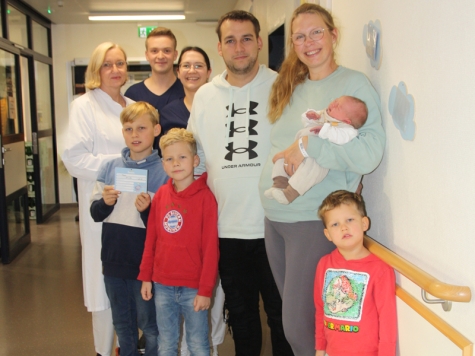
{"x": 446, "y": 304}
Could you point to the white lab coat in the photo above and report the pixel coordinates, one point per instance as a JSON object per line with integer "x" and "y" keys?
{"x": 94, "y": 137}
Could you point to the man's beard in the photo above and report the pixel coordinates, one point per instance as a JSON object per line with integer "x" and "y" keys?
{"x": 245, "y": 70}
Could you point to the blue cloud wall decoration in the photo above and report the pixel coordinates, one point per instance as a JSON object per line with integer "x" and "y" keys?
{"x": 372, "y": 42}
{"x": 401, "y": 108}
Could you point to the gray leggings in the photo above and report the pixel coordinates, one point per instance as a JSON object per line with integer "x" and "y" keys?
{"x": 294, "y": 250}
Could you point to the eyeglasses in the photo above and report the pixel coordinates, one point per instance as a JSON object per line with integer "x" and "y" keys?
{"x": 314, "y": 35}
{"x": 110, "y": 65}
{"x": 196, "y": 66}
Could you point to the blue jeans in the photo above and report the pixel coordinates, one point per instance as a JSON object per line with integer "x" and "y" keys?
{"x": 130, "y": 311}
{"x": 171, "y": 303}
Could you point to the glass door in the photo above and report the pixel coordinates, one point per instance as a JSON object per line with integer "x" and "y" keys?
{"x": 14, "y": 223}
{"x": 43, "y": 144}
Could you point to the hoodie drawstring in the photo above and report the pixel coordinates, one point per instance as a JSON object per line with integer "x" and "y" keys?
{"x": 230, "y": 111}
{"x": 248, "y": 108}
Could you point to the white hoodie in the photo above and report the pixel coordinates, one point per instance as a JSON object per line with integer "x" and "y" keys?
{"x": 234, "y": 157}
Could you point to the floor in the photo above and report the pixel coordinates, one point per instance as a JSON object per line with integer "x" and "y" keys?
{"x": 41, "y": 303}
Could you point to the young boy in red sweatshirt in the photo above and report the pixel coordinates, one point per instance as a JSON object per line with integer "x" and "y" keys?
{"x": 181, "y": 248}
{"x": 355, "y": 296}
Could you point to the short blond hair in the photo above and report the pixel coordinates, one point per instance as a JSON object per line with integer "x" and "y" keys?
{"x": 161, "y": 31}
{"x": 93, "y": 71}
{"x": 139, "y": 109}
{"x": 340, "y": 197}
{"x": 178, "y": 135}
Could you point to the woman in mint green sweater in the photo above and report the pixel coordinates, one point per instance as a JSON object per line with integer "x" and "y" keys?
{"x": 311, "y": 78}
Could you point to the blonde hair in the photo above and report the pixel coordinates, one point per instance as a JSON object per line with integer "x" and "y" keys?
{"x": 293, "y": 72}
{"x": 139, "y": 109}
{"x": 339, "y": 197}
{"x": 178, "y": 135}
{"x": 93, "y": 71}
{"x": 161, "y": 31}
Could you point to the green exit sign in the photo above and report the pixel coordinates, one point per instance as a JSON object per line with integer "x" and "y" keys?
{"x": 144, "y": 31}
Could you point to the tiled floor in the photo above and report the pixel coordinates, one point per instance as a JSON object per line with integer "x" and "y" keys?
{"x": 41, "y": 304}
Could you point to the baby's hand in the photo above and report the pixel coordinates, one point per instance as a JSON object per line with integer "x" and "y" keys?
{"x": 142, "y": 202}
{"x": 110, "y": 195}
{"x": 201, "y": 303}
{"x": 312, "y": 115}
{"x": 316, "y": 129}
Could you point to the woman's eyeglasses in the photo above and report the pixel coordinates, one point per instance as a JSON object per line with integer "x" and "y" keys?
{"x": 110, "y": 65}
{"x": 196, "y": 66}
{"x": 314, "y": 35}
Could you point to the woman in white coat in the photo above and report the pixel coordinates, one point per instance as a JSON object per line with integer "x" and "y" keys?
{"x": 95, "y": 137}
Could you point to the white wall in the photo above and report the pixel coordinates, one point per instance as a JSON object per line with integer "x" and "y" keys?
{"x": 78, "y": 41}
{"x": 420, "y": 199}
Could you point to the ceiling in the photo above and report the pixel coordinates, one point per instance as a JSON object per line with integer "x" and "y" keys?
{"x": 77, "y": 11}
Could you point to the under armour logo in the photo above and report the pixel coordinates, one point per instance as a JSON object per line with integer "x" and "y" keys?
{"x": 242, "y": 129}
{"x": 242, "y": 111}
{"x": 241, "y": 150}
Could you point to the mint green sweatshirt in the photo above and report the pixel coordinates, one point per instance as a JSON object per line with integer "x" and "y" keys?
{"x": 347, "y": 163}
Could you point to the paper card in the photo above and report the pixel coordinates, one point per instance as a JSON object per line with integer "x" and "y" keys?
{"x": 131, "y": 180}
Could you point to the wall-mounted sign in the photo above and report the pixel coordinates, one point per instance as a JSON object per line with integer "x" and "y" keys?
{"x": 145, "y": 30}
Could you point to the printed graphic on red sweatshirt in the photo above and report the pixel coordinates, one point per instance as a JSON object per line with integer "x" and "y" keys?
{"x": 173, "y": 221}
{"x": 343, "y": 294}
{"x": 237, "y": 130}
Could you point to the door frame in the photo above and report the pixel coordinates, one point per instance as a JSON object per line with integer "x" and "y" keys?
{"x": 8, "y": 252}
{"x": 41, "y": 216}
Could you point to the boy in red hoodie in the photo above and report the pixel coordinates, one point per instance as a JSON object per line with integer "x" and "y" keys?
{"x": 355, "y": 297}
{"x": 181, "y": 248}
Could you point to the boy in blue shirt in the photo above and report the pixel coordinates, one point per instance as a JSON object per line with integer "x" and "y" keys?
{"x": 124, "y": 216}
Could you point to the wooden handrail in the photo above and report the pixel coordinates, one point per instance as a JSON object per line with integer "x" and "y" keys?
{"x": 458, "y": 339}
{"x": 424, "y": 280}
{"x": 431, "y": 285}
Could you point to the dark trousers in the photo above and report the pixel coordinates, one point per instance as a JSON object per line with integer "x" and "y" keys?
{"x": 245, "y": 272}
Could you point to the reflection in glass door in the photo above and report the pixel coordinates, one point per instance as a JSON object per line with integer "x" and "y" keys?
{"x": 44, "y": 149}
{"x": 14, "y": 223}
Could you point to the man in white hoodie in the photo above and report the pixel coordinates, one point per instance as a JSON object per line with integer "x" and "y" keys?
{"x": 230, "y": 125}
